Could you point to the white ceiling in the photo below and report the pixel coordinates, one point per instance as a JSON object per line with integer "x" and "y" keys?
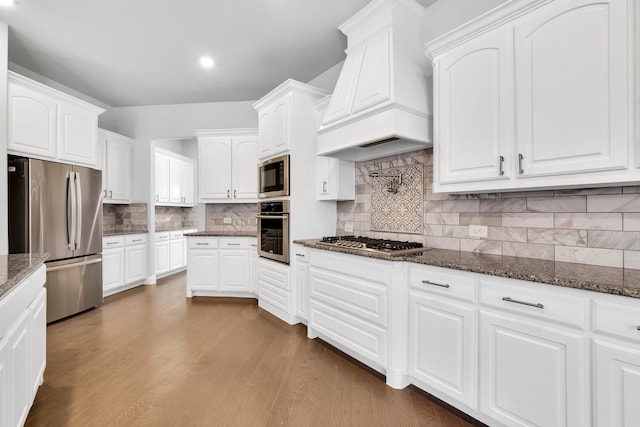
{"x": 145, "y": 52}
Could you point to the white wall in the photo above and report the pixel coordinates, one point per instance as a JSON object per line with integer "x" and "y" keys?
{"x": 4, "y": 237}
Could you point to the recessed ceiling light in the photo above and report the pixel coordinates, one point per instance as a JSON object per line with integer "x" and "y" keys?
{"x": 7, "y": 3}
{"x": 205, "y": 61}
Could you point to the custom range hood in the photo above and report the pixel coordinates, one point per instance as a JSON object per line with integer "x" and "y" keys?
{"x": 381, "y": 102}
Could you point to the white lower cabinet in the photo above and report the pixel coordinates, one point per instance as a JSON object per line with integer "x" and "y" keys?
{"x": 442, "y": 333}
{"x": 171, "y": 251}
{"x": 22, "y": 347}
{"x": 219, "y": 266}
{"x": 274, "y": 290}
{"x": 124, "y": 262}
{"x": 301, "y": 266}
{"x": 253, "y": 262}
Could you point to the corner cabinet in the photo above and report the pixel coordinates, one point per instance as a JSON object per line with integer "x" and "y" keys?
{"x": 115, "y": 158}
{"x": 175, "y": 179}
{"x": 48, "y": 124}
{"x": 227, "y": 165}
{"x": 540, "y": 99}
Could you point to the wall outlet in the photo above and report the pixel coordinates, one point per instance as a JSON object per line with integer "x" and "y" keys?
{"x": 478, "y": 231}
{"x": 226, "y": 220}
{"x": 348, "y": 227}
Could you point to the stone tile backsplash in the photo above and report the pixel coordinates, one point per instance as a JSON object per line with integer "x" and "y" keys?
{"x": 124, "y": 218}
{"x": 170, "y": 218}
{"x": 599, "y": 226}
{"x": 242, "y": 217}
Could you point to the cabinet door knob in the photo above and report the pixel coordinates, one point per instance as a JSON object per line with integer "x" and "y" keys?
{"x": 501, "y": 163}
{"x": 520, "y": 158}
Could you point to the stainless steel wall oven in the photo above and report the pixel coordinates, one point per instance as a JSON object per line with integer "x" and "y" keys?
{"x": 273, "y": 230}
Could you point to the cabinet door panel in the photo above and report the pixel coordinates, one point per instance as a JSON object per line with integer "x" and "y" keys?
{"x": 5, "y": 382}
{"x": 234, "y": 270}
{"x": 280, "y": 125}
{"x": 375, "y": 75}
{"x": 112, "y": 268}
{"x": 202, "y": 272}
{"x": 135, "y": 263}
{"x": 214, "y": 168}
{"x": 531, "y": 374}
{"x": 571, "y": 86}
{"x": 77, "y": 135}
{"x": 177, "y": 254}
{"x": 175, "y": 180}
{"x": 245, "y": 168}
{"x": 162, "y": 178}
{"x": 20, "y": 369}
{"x": 38, "y": 312}
{"x": 32, "y": 122}
{"x": 188, "y": 183}
{"x": 442, "y": 350}
{"x": 265, "y": 133}
{"x": 162, "y": 257}
{"x": 119, "y": 155}
{"x": 473, "y": 106}
{"x": 617, "y": 384}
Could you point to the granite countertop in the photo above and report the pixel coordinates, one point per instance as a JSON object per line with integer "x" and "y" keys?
{"x": 15, "y": 267}
{"x": 120, "y": 233}
{"x": 223, "y": 234}
{"x": 609, "y": 280}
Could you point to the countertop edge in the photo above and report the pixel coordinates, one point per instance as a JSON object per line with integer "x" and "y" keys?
{"x": 17, "y": 261}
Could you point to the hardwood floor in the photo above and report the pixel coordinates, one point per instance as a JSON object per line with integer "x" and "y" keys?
{"x": 150, "y": 356}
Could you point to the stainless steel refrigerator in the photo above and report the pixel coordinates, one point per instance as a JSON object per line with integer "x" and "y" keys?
{"x": 56, "y": 208}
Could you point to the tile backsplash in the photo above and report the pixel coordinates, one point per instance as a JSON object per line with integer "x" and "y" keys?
{"x": 124, "y": 218}
{"x": 242, "y": 217}
{"x": 599, "y": 226}
{"x": 175, "y": 218}
{"x": 396, "y": 199}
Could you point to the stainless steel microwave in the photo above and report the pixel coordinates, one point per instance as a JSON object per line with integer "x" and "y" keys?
{"x": 273, "y": 177}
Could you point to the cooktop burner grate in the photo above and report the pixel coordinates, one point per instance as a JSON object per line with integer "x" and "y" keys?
{"x": 392, "y": 247}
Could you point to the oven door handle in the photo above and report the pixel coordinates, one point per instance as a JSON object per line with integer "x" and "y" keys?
{"x": 272, "y": 216}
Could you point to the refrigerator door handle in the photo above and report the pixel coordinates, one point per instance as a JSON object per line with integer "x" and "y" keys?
{"x": 78, "y": 233}
{"x": 73, "y": 265}
{"x": 71, "y": 210}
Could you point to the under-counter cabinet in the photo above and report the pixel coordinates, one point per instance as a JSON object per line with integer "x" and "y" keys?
{"x": 174, "y": 179}
{"x": 170, "y": 251}
{"x": 124, "y": 262}
{"x": 227, "y": 165}
{"x": 542, "y": 99}
{"x": 115, "y": 157}
{"x": 301, "y": 266}
{"x": 48, "y": 124}
{"x": 442, "y": 333}
{"x": 616, "y": 359}
{"x": 219, "y": 266}
{"x": 275, "y": 293}
{"x": 22, "y": 347}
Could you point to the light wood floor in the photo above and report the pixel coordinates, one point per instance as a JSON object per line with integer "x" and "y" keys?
{"x": 150, "y": 356}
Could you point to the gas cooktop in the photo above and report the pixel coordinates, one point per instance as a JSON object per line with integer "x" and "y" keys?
{"x": 384, "y": 246}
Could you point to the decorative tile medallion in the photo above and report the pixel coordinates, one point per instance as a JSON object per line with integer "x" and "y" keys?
{"x": 396, "y": 199}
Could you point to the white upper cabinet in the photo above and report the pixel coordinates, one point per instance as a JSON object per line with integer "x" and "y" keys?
{"x": 175, "y": 179}
{"x": 116, "y": 152}
{"x": 542, "y": 99}
{"x": 274, "y": 137}
{"x": 48, "y": 124}
{"x": 571, "y": 85}
{"x": 474, "y": 143}
{"x": 227, "y": 165}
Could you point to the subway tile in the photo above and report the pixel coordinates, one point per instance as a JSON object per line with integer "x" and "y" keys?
{"x": 507, "y": 234}
{"x": 588, "y": 221}
{"x": 433, "y": 229}
{"x": 632, "y": 260}
{"x": 528, "y": 250}
{"x": 635, "y": 189}
{"x": 630, "y": 221}
{"x": 557, "y": 204}
{"x": 459, "y": 231}
{"x": 488, "y": 218}
{"x": 552, "y": 236}
{"x": 614, "y": 239}
{"x": 543, "y": 193}
{"x": 443, "y": 243}
{"x": 614, "y": 203}
{"x": 451, "y": 218}
{"x": 537, "y": 220}
{"x": 481, "y": 246}
{"x": 461, "y": 205}
{"x": 588, "y": 191}
{"x": 593, "y": 256}
{"x": 433, "y": 205}
{"x": 503, "y": 205}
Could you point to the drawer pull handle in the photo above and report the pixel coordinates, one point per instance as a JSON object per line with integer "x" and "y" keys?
{"x": 202, "y": 244}
{"x": 137, "y": 240}
{"x": 300, "y": 255}
{"x": 113, "y": 243}
{"x": 507, "y": 299}
{"x": 427, "y": 282}
{"x": 233, "y": 244}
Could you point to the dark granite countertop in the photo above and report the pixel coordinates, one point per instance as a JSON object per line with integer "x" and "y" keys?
{"x": 120, "y": 233}
{"x": 222, "y": 234}
{"x": 15, "y": 267}
{"x": 610, "y": 280}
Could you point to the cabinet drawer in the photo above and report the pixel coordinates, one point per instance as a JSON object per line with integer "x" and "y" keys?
{"x": 176, "y": 234}
{"x": 522, "y": 297}
{"x": 163, "y": 235}
{"x": 622, "y": 320}
{"x": 274, "y": 274}
{"x": 135, "y": 239}
{"x": 234, "y": 243}
{"x": 274, "y": 295}
{"x": 357, "y": 297}
{"x": 203, "y": 242}
{"x": 112, "y": 242}
{"x": 434, "y": 280}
